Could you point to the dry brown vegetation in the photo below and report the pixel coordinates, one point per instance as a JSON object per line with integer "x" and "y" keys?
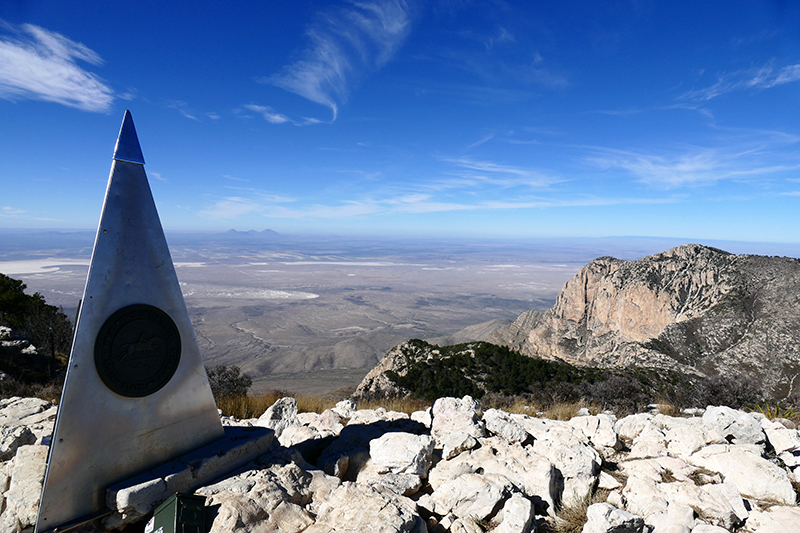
{"x": 254, "y": 406}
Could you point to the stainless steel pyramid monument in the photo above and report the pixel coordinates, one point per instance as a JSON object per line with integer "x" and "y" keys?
{"x": 136, "y": 392}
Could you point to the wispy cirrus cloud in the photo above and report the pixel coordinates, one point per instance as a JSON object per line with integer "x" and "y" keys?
{"x": 500, "y": 175}
{"x": 345, "y": 44}
{"x": 409, "y": 203}
{"x": 765, "y": 77}
{"x": 269, "y": 114}
{"x": 697, "y": 167}
{"x": 43, "y": 65}
{"x": 7, "y": 211}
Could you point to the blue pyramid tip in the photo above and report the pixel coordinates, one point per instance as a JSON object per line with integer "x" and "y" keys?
{"x": 128, "y": 148}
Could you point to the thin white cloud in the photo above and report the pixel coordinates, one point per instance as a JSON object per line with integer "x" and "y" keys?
{"x": 501, "y": 175}
{"x": 414, "y": 203}
{"x": 183, "y": 108}
{"x": 345, "y": 44}
{"x": 766, "y": 77}
{"x": 229, "y": 208}
{"x": 7, "y": 211}
{"x": 268, "y": 113}
{"x": 39, "y": 64}
{"x": 701, "y": 166}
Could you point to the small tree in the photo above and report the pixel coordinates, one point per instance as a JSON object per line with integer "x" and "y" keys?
{"x": 735, "y": 391}
{"x": 228, "y": 382}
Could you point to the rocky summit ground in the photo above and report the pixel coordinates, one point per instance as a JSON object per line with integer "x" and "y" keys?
{"x": 457, "y": 468}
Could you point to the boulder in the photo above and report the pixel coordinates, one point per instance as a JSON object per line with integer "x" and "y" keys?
{"x": 776, "y": 519}
{"x": 650, "y": 442}
{"x": 529, "y": 473}
{"x": 753, "y": 476}
{"x": 402, "y": 453}
{"x": 279, "y": 416}
{"x": 734, "y": 426}
{"x": 599, "y": 430}
{"x": 423, "y": 417}
{"x": 471, "y": 496}
{"x": 516, "y": 516}
{"x": 456, "y": 443}
{"x": 25, "y": 487}
{"x": 630, "y": 426}
{"x": 781, "y": 438}
{"x": 11, "y": 438}
{"x": 679, "y": 518}
{"x": 468, "y": 525}
{"x": 345, "y": 408}
{"x": 16, "y": 411}
{"x": 605, "y": 518}
{"x": 371, "y": 416}
{"x": 503, "y": 425}
{"x": 576, "y": 461}
{"x": 133, "y": 498}
{"x": 451, "y": 415}
{"x": 356, "y": 507}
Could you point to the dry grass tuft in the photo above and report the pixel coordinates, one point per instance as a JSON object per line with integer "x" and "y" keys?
{"x": 571, "y": 518}
{"x": 254, "y": 406}
{"x": 401, "y": 405}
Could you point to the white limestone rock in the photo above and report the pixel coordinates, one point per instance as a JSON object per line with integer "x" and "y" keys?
{"x": 503, "y": 425}
{"x": 402, "y": 453}
{"x": 776, "y": 519}
{"x": 465, "y": 525}
{"x": 371, "y": 416}
{"x": 708, "y": 528}
{"x": 608, "y": 482}
{"x": 599, "y": 430}
{"x": 605, "y": 518}
{"x": 471, "y": 495}
{"x": 734, "y": 426}
{"x": 345, "y": 408}
{"x": 402, "y": 484}
{"x": 679, "y": 518}
{"x": 655, "y": 483}
{"x": 650, "y": 442}
{"x": 280, "y": 415}
{"x": 25, "y": 487}
{"x": 452, "y": 415}
{"x": 294, "y": 435}
{"x": 516, "y": 516}
{"x": 630, "y": 426}
{"x": 456, "y": 443}
{"x": 328, "y": 421}
{"x": 11, "y": 438}
{"x": 16, "y": 411}
{"x": 575, "y": 459}
{"x": 781, "y": 438}
{"x": 355, "y": 507}
{"x": 753, "y": 476}
{"x": 423, "y": 417}
{"x": 529, "y": 473}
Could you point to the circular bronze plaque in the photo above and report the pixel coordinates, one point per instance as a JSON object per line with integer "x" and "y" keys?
{"x": 137, "y": 350}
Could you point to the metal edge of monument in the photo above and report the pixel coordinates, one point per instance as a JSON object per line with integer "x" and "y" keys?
{"x": 136, "y": 393}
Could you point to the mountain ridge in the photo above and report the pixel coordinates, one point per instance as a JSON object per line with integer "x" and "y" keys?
{"x": 692, "y": 308}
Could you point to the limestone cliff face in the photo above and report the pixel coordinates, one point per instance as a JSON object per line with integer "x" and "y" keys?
{"x": 691, "y": 308}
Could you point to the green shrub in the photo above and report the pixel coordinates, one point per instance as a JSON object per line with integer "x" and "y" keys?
{"x": 228, "y": 382}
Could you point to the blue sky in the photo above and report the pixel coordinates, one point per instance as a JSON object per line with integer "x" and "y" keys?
{"x": 388, "y": 117}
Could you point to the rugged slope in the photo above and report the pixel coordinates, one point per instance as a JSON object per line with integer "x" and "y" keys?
{"x": 692, "y": 308}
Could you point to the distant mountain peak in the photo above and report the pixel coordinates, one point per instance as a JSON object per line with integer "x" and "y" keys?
{"x": 692, "y": 308}
{"x": 252, "y": 233}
